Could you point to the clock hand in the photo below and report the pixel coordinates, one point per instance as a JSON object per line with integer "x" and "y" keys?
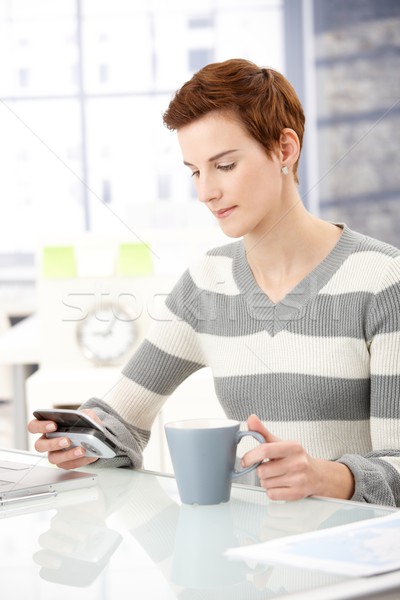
{"x": 107, "y": 331}
{"x": 110, "y": 326}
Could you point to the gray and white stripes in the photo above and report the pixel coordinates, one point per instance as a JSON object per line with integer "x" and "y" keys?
{"x": 321, "y": 367}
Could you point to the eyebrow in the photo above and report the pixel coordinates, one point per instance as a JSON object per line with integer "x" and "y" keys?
{"x": 215, "y": 157}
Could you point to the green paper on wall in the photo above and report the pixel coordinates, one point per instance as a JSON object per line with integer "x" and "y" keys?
{"x": 134, "y": 259}
{"x": 58, "y": 262}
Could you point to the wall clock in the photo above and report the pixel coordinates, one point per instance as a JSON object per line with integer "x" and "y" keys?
{"x": 107, "y": 334}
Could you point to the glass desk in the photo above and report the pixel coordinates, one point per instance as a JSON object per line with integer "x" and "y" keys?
{"x": 130, "y": 538}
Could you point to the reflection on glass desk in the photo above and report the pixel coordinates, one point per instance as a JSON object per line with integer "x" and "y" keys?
{"x": 130, "y": 538}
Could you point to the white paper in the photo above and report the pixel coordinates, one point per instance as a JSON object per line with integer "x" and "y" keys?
{"x": 359, "y": 549}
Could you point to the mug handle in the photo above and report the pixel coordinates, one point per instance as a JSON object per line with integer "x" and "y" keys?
{"x": 257, "y": 436}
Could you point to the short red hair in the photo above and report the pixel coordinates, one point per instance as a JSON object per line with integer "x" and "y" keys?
{"x": 262, "y": 99}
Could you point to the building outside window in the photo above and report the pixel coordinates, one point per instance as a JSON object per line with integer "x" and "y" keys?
{"x": 357, "y": 66}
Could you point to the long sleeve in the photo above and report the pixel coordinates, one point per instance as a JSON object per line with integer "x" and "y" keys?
{"x": 377, "y": 474}
{"x": 321, "y": 367}
{"x": 167, "y": 356}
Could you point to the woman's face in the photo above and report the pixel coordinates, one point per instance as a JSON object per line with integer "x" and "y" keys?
{"x": 233, "y": 175}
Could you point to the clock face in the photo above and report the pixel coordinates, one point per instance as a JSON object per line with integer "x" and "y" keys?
{"x": 107, "y": 334}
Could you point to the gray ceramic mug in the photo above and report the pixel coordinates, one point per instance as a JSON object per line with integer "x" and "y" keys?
{"x": 203, "y": 454}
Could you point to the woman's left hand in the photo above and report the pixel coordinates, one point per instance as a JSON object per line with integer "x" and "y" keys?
{"x": 290, "y": 473}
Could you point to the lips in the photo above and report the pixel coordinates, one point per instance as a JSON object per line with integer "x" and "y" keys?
{"x": 224, "y": 212}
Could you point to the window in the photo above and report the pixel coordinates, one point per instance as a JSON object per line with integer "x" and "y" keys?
{"x": 200, "y": 57}
{"x": 357, "y": 63}
{"x": 82, "y": 92}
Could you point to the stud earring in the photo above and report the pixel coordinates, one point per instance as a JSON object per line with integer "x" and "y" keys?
{"x": 284, "y": 170}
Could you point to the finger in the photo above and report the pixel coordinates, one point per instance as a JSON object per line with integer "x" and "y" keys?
{"x": 284, "y": 487}
{"x": 72, "y": 458}
{"x": 44, "y": 444}
{"x": 93, "y": 415}
{"x": 36, "y": 426}
{"x": 255, "y": 424}
{"x": 281, "y": 451}
{"x": 272, "y": 469}
{"x": 70, "y": 454}
{"x": 273, "y": 482}
{"x": 254, "y": 456}
{"x": 269, "y": 451}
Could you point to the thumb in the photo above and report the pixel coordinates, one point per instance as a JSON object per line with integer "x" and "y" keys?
{"x": 255, "y": 424}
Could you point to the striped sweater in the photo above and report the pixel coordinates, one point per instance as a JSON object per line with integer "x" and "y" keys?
{"x": 322, "y": 366}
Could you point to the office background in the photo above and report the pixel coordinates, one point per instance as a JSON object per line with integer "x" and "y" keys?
{"x": 83, "y": 84}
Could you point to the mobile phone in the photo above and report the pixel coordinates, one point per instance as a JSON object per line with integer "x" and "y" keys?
{"x": 81, "y": 429}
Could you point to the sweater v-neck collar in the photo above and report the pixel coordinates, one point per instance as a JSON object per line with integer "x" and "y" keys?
{"x": 278, "y": 315}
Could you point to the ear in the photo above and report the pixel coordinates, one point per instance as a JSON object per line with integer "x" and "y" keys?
{"x": 289, "y": 147}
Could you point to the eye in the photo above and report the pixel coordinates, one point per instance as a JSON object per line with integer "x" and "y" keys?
{"x": 226, "y": 167}
{"x": 195, "y": 173}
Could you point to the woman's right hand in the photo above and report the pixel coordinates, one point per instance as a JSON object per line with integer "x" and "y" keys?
{"x": 58, "y": 449}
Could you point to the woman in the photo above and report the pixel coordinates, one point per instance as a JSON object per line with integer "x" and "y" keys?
{"x": 298, "y": 319}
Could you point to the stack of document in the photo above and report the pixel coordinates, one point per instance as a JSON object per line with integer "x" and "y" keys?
{"x": 359, "y": 549}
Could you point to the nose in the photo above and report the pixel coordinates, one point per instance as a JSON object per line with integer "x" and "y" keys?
{"x": 207, "y": 190}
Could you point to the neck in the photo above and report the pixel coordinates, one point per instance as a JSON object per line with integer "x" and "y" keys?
{"x": 280, "y": 239}
{"x": 281, "y": 254}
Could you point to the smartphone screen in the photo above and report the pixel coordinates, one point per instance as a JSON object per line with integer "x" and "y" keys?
{"x": 67, "y": 418}
{"x": 80, "y": 429}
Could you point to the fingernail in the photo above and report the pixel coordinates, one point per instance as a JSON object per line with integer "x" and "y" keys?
{"x": 64, "y": 442}
{"x": 79, "y": 452}
{"x": 50, "y": 427}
